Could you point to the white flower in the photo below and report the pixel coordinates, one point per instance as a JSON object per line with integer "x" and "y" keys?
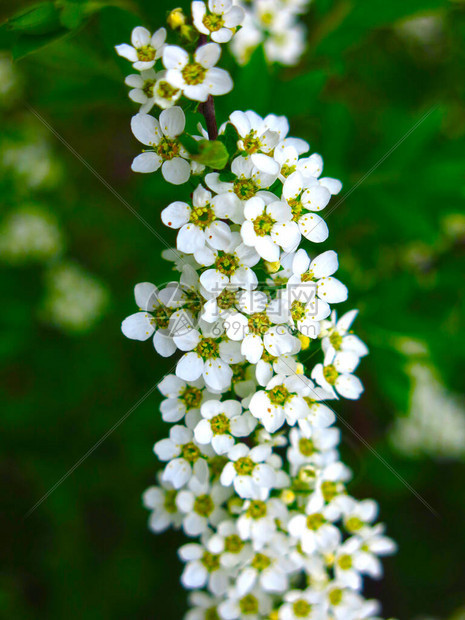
{"x": 202, "y": 569}
{"x": 268, "y": 227}
{"x": 184, "y": 399}
{"x": 184, "y": 455}
{"x": 227, "y": 543}
{"x": 222, "y": 421}
{"x": 357, "y": 515}
{"x": 248, "y": 607}
{"x": 142, "y": 88}
{"x": 284, "y": 364}
{"x": 287, "y": 154}
{"x": 208, "y": 357}
{"x": 374, "y": 541}
{"x": 230, "y": 267}
{"x": 202, "y": 505}
{"x": 161, "y": 500}
{"x": 336, "y": 336}
{"x": 168, "y": 153}
{"x": 145, "y": 48}
{"x": 301, "y": 604}
{"x": 246, "y": 40}
{"x": 164, "y": 94}
{"x": 202, "y": 605}
{"x": 268, "y": 568}
{"x": 352, "y": 561}
{"x": 284, "y": 399}
{"x": 257, "y": 139}
{"x": 286, "y": 45}
{"x": 249, "y": 180}
{"x": 199, "y": 224}
{"x": 319, "y": 270}
{"x": 247, "y": 470}
{"x": 314, "y": 529}
{"x": 153, "y": 319}
{"x": 306, "y": 196}
{"x": 335, "y": 374}
{"x": 259, "y": 326}
{"x": 305, "y": 310}
{"x": 258, "y": 520}
{"x": 318, "y": 449}
{"x": 198, "y": 77}
{"x": 219, "y": 20}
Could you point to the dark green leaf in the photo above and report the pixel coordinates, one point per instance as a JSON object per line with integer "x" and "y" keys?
{"x": 190, "y": 143}
{"x": 212, "y": 154}
{"x": 41, "y": 19}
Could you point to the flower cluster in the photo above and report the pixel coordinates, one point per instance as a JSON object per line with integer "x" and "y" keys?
{"x": 251, "y": 467}
{"x": 275, "y": 25}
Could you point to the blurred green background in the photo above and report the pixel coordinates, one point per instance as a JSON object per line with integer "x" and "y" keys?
{"x": 376, "y": 75}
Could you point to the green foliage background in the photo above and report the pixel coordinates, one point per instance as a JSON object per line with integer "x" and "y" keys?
{"x": 361, "y": 87}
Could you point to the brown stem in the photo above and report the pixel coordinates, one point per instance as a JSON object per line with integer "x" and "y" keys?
{"x": 208, "y": 108}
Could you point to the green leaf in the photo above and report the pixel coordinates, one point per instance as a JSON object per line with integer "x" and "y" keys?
{"x": 213, "y": 154}
{"x": 72, "y": 15}
{"x": 42, "y": 19}
{"x": 190, "y": 143}
{"x": 229, "y": 138}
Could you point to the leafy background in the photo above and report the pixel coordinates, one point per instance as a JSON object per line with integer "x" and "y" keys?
{"x": 365, "y": 82}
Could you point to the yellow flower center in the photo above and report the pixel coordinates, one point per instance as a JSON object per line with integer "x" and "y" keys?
{"x": 287, "y": 170}
{"x": 257, "y": 509}
{"x": 202, "y": 216}
{"x": 308, "y": 276}
{"x": 260, "y": 561}
{"x": 193, "y": 73}
{"x": 204, "y": 505}
{"x": 335, "y": 596}
{"x": 345, "y": 562}
{"x": 146, "y": 53}
{"x": 213, "y": 22}
{"x": 353, "y": 524}
{"x": 148, "y": 88}
{"x": 336, "y": 340}
{"x": 190, "y": 452}
{"x": 251, "y": 143}
{"x": 161, "y": 317}
{"x": 211, "y": 614}
{"x": 166, "y": 91}
{"x": 263, "y": 224}
{"x": 226, "y": 299}
{"x": 219, "y": 424}
{"x": 315, "y": 521}
{"x": 226, "y": 263}
{"x": 170, "y": 501}
{"x": 330, "y": 374}
{"x": 207, "y": 349}
{"x": 259, "y": 323}
{"x": 329, "y": 490}
{"x": 296, "y": 207}
{"x": 248, "y": 604}
{"x": 278, "y": 395}
{"x": 301, "y": 608}
{"x": 210, "y": 561}
{"x": 298, "y": 311}
{"x": 306, "y": 446}
{"x": 233, "y": 544}
{"x": 167, "y": 149}
{"x": 244, "y": 466}
{"x": 191, "y": 397}
{"x": 244, "y": 188}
